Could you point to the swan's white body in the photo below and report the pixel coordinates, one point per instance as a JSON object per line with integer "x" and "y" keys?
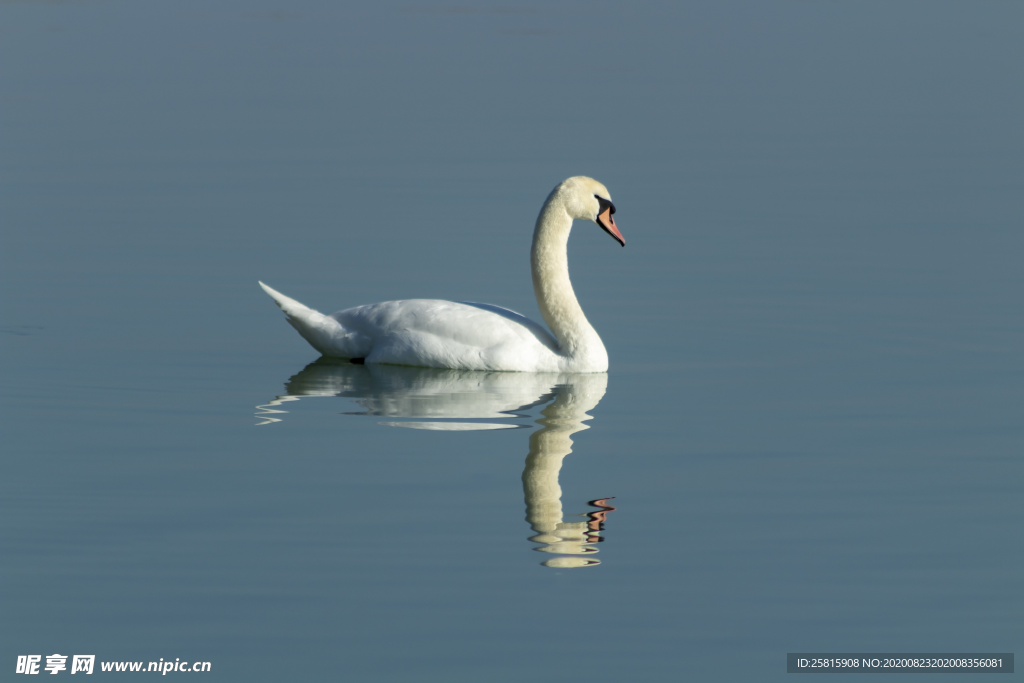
{"x": 471, "y": 336}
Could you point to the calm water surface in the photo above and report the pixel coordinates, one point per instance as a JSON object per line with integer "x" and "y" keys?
{"x": 810, "y": 438}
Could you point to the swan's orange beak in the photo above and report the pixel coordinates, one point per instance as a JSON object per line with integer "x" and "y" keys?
{"x": 607, "y": 222}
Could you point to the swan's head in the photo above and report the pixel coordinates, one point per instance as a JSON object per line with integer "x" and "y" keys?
{"x": 587, "y": 199}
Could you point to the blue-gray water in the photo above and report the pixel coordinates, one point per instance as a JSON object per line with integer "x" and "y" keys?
{"x": 813, "y": 420}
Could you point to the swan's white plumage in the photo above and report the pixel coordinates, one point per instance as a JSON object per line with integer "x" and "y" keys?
{"x": 471, "y": 336}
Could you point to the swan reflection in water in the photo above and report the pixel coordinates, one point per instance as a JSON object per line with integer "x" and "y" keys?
{"x": 442, "y": 400}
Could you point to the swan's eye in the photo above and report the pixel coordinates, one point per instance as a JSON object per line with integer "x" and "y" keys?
{"x": 604, "y": 204}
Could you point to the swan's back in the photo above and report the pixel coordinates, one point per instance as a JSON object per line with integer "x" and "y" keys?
{"x": 449, "y": 334}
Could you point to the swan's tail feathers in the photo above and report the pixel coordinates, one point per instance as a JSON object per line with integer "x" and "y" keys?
{"x": 324, "y": 333}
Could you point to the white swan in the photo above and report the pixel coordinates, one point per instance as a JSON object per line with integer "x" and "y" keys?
{"x": 472, "y": 336}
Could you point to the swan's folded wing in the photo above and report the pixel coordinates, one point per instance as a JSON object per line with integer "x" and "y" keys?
{"x": 449, "y": 334}
{"x": 481, "y": 325}
{"x": 521, "y": 321}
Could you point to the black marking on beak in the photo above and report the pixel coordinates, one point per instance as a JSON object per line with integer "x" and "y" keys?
{"x": 604, "y": 204}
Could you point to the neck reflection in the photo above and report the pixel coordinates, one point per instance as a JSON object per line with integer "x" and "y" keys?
{"x": 442, "y": 400}
{"x": 573, "y": 541}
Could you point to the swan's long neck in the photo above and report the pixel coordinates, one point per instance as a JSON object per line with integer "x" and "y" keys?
{"x": 549, "y": 262}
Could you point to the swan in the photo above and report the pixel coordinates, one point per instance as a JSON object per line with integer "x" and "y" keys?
{"x": 473, "y": 336}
